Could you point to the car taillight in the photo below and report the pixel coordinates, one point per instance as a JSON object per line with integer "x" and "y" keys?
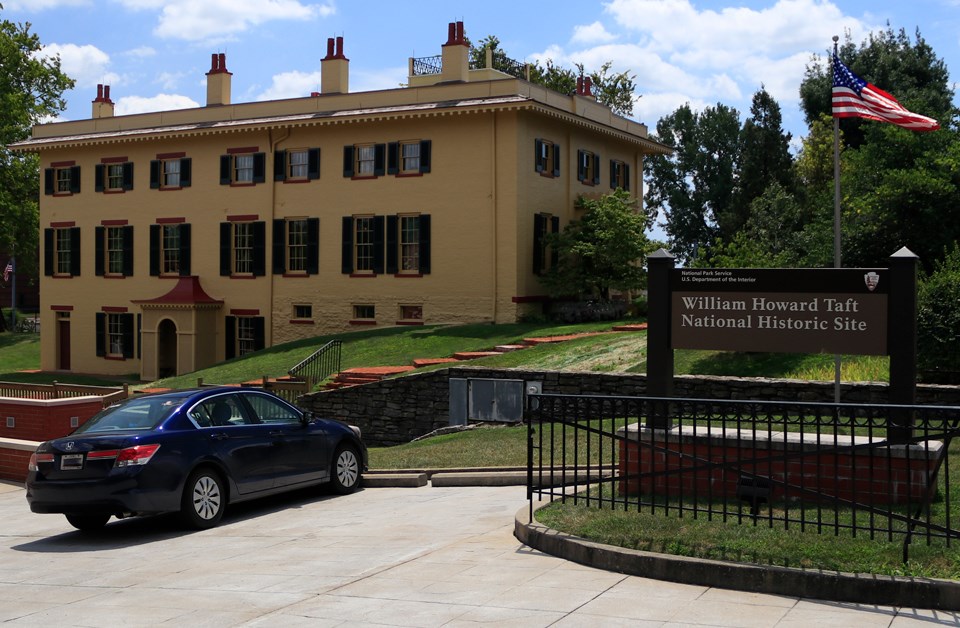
{"x": 136, "y": 456}
{"x": 36, "y": 459}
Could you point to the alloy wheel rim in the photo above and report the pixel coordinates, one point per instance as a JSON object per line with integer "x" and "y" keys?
{"x": 206, "y": 498}
{"x": 347, "y": 468}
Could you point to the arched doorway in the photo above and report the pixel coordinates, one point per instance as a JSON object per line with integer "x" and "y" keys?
{"x": 167, "y": 348}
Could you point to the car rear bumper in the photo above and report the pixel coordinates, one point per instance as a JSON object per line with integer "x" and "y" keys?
{"x": 121, "y": 494}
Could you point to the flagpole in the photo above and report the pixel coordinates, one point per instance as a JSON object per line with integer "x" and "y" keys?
{"x": 836, "y": 223}
{"x": 13, "y": 291}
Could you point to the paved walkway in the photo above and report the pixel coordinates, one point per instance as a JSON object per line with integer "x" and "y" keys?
{"x": 388, "y": 557}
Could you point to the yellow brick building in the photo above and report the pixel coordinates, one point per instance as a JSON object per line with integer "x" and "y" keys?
{"x": 171, "y": 241}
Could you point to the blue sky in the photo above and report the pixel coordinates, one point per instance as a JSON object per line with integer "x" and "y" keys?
{"x": 154, "y": 53}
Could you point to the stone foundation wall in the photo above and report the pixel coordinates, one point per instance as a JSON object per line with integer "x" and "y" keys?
{"x": 396, "y": 411}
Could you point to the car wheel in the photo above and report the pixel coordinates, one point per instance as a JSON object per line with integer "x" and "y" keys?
{"x": 345, "y": 474}
{"x": 88, "y": 523}
{"x": 203, "y": 499}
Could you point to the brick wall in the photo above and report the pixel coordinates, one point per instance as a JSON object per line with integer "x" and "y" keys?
{"x": 34, "y": 421}
{"x": 679, "y": 462}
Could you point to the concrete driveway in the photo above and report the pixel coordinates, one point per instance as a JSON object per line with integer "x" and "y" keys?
{"x": 386, "y": 556}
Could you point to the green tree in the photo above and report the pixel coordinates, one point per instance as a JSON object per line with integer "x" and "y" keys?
{"x": 613, "y": 89}
{"x": 602, "y": 251}
{"x": 695, "y": 186}
{"x": 764, "y": 159}
{"x": 31, "y": 89}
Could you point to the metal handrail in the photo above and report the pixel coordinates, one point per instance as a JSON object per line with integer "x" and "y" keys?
{"x": 322, "y": 363}
{"x": 427, "y": 65}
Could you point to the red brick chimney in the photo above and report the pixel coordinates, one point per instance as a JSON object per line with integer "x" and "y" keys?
{"x": 102, "y": 105}
{"x": 334, "y": 69}
{"x": 218, "y": 81}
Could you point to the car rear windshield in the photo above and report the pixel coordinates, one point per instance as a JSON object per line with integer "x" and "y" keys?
{"x": 143, "y": 413}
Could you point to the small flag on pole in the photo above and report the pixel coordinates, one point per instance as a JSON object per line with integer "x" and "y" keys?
{"x": 855, "y": 98}
{"x": 7, "y": 271}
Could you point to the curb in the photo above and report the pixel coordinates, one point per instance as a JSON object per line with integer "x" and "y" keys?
{"x": 824, "y": 585}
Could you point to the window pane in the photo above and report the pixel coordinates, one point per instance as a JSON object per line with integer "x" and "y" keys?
{"x": 297, "y": 245}
{"x": 298, "y": 164}
{"x": 171, "y": 250}
{"x": 63, "y": 251}
{"x": 171, "y": 173}
{"x": 410, "y": 157}
{"x": 409, "y": 242}
{"x": 114, "y": 334}
{"x": 243, "y": 247}
{"x": 63, "y": 180}
{"x": 245, "y": 335}
{"x": 365, "y": 159}
{"x": 243, "y": 168}
{"x": 114, "y": 177}
{"x": 114, "y": 250}
{"x": 364, "y": 243}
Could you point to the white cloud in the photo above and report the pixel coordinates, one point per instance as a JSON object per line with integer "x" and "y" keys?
{"x": 41, "y": 5}
{"x": 141, "y": 52}
{"x": 161, "y": 102}
{"x": 291, "y": 85}
{"x": 220, "y": 20}
{"x": 170, "y": 80}
{"x": 591, "y": 33}
{"x": 86, "y": 64}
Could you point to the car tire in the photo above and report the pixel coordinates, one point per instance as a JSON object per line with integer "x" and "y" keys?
{"x": 345, "y": 471}
{"x": 204, "y": 499}
{"x": 88, "y": 523}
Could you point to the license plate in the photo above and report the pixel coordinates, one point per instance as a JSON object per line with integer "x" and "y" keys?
{"x": 71, "y": 462}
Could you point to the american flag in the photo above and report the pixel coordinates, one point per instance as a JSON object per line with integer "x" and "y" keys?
{"x": 853, "y": 97}
{"x": 7, "y": 271}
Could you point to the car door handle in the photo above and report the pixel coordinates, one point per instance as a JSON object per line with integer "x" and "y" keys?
{"x": 276, "y": 433}
{"x": 218, "y": 436}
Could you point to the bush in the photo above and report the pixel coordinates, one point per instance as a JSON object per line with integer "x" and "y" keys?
{"x": 586, "y": 311}
{"x": 938, "y": 321}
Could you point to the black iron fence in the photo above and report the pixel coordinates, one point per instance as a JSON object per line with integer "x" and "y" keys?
{"x": 877, "y": 470}
{"x": 423, "y": 66}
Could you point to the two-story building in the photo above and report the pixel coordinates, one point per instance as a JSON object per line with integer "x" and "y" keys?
{"x": 174, "y": 240}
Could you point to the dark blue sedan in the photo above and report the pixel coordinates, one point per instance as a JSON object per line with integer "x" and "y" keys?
{"x": 191, "y": 452}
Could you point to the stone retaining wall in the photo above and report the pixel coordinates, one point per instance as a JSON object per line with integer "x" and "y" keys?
{"x": 396, "y": 411}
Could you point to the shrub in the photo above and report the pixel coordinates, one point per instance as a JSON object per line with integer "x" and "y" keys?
{"x": 938, "y": 321}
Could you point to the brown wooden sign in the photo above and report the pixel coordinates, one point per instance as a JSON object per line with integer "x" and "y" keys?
{"x": 788, "y": 311}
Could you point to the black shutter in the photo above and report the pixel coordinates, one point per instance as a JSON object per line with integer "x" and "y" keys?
{"x": 378, "y": 237}
{"x": 139, "y": 336}
{"x": 581, "y": 165}
{"x": 75, "y": 251}
{"x": 225, "y": 232}
{"x": 279, "y": 246}
{"x": 425, "y": 146}
{"x": 226, "y": 161}
{"x": 99, "y": 235}
{"x": 48, "y": 174}
{"x": 613, "y": 175}
{"x": 154, "y": 174}
{"x": 393, "y": 157}
{"x": 259, "y": 248}
{"x": 259, "y": 167}
{"x": 313, "y": 245}
{"x": 393, "y": 244}
{"x": 128, "y": 175}
{"x": 127, "y": 236}
{"x": 101, "y": 334}
{"x": 313, "y": 163}
{"x": 348, "y": 161}
{"x": 155, "y": 250}
{"x": 425, "y": 244}
{"x": 626, "y": 177}
{"x": 539, "y": 228}
{"x": 48, "y": 252}
{"x": 259, "y": 337}
{"x": 184, "y": 250}
{"x": 185, "y": 172}
{"x": 537, "y": 155}
{"x": 230, "y": 335}
{"x": 98, "y": 176}
{"x": 346, "y": 250}
{"x": 75, "y": 179}
{"x": 379, "y": 157}
{"x": 596, "y": 169}
{"x": 554, "y": 251}
{"x": 279, "y": 165}
{"x": 126, "y": 329}
{"x": 556, "y": 160}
